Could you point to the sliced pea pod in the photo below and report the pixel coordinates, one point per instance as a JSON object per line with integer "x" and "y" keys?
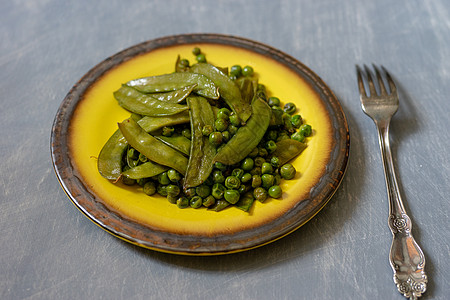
{"x": 143, "y": 104}
{"x": 245, "y": 201}
{"x": 145, "y": 170}
{"x": 246, "y": 86}
{"x": 202, "y": 151}
{"x": 288, "y": 149}
{"x": 150, "y": 124}
{"x": 227, "y": 88}
{"x": 179, "y": 143}
{"x": 176, "y": 96}
{"x": 153, "y": 149}
{"x": 248, "y": 136}
{"x": 174, "y": 81}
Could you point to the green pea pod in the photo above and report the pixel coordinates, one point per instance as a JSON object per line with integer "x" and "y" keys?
{"x": 202, "y": 151}
{"x": 145, "y": 170}
{"x": 174, "y": 81}
{"x": 150, "y": 124}
{"x": 227, "y": 88}
{"x": 143, "y": 104}
{"x": 153, "y": 149}
{"x": 247, "y": 89}
{"x": 219, "y": 205}
{"x": 109, "y": 162}
{"x": 179, "y": 143}
{"x": 248, "y": 136}
{"x": 176, "y": 96}
{"x": 245, "y": 201}
{"x": 288, "y": 149}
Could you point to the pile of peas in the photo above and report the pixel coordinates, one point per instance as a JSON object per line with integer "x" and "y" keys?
{"x": 258, "y": 175}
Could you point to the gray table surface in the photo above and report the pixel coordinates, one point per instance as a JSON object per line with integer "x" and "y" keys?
{"x": 49, "y": 250}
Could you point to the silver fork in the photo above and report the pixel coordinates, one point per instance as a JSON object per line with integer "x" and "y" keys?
{"x": 406, "y": 257}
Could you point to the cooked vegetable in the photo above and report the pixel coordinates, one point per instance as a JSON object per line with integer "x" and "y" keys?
{"x": 203, "y": 137}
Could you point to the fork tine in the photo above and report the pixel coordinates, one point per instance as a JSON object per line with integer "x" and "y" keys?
{"x": 362, "y": 91}
{"x": 392, "y": 86}
{"x": 380, "y": 81}
{"x": 372, "y": 90}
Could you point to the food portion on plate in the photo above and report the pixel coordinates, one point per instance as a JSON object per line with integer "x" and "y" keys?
{"x": 204, "y": 136}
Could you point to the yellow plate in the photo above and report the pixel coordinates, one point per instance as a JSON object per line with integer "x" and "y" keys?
{"x": 89, "y": 114}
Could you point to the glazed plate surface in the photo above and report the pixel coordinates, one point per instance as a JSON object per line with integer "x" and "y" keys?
{"x": 89, "y": 115}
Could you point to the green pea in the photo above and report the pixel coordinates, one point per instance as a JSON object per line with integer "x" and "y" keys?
{"x": 273, "y": 101}
{"x": 218, "y": 177}
{"x": 162, "y": 190}
{"x": 287, "y": 171}
{"x": 149, "y": 188}
{"x": 186, "y": 133}
{"x": 190, "y": 192}
{"x": 163, "y": 178}
{"x": 298, "y": 136}
{"x": 203, "y": 191}
{"x": 287, "y": 122}
{"x": 247, "y": 177}
{"x": 196, "y": 202}
{"x": 142, "y": 158}
{"x": 184, "y": 63}
{"x": 226, "y": 136}
{"x": 182, "y": 202}
{"x": 207, "y": 130}
{"x": 256, "y": 171}
{"x": 216, "y": 138}
{"x": 256, "y": 181}
{"x": 271, "y": 146}
{"x": 132, "y": 154}
{"x": 296, "y": 121}
{"x": 275, "y": 161}
{"x": 243, "y": 189}
{"x": 276, "y": 179}
{"x": 196, "y": 51}
{"x": 247, "y": 71}
{"x": 260, "y": 194}
{"x": 167, "y": 131}
{"x": 266, "y": 168}
{"x": 232, "y": 196}
{"x": 272, "y": 135}
{"x": 209, "y": 201}
{"x": 253, "y": 153}
{"x": 235, "y": 120}
{"x": 289, "y": 108}
{"x": 173, "y": 175}
{"x": 236, "y": 70}
{"x": 142, "y": 181}
{"x": 220, "y": 166}
{"x": 172, "y": 190}
{"x": 232, "y": 129}
{"x": 259, "y": 161}
{"x": 232, "y": 182}
{"x": 267, "y": 180}
{"x": 275, "y": 191}
{"x": 263, "y": 152}
{"x": 172, "y": 199}
{"x": 221, "y": 124}
{"x": 223, "y": 113}
{"x": 283, "y": 136}
{"x": 218, "y": 190}
{"x": 247, "y": 164}
{"x": 305, "y": 129}
{"x": 201, "y": 58}
{"x": 237, "y": 173}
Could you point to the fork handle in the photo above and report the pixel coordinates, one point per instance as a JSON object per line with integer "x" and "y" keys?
{"x": 406, "y": 257}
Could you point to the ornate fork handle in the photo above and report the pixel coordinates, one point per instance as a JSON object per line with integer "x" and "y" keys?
{"x": 406, "y": 258}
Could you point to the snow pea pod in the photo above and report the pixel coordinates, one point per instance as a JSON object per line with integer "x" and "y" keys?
{"x": 176, "y": 96}
{"x": 109, "y": 163}
{"x": 153, "y": 149}
{"x": 146, "y": 170}
{"x": 174, "y": 81}
{"x": 229, "y": 91}
{"x": 202, "y": 151}
{"x": 248, "y": 136}
{"x": 143, "y": 104}
{"x": 288, "y": 149}
{"x": 179, "y": 143}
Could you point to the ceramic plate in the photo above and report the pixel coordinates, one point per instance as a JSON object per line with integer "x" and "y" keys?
{"x": 89, "y": 115}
